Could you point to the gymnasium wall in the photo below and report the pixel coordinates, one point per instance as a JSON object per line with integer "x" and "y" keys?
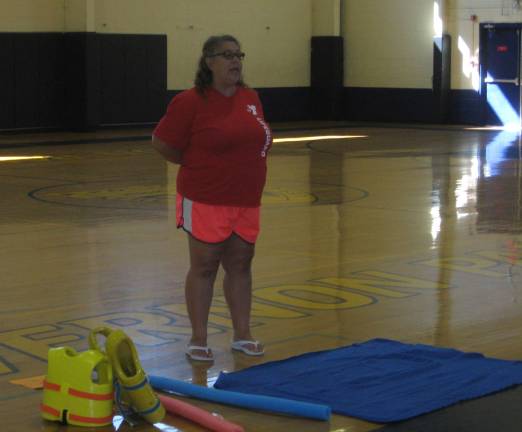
{"x": 390, "y": 65}
{"x": 275, "y": 35}
{"x": 463, "y": 20}
{"x": 32, "y": 15}
{"x": 396, "y": 50}
{"x": 391, "y": 58}
{"x": 388, "y": 60}
{"x": 326, "y": 17}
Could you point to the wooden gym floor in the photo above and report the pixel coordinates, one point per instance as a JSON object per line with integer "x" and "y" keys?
{"x": 407, "y": 233}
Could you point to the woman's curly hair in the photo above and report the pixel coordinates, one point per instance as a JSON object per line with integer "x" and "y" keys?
{"x": 203, "y": 78}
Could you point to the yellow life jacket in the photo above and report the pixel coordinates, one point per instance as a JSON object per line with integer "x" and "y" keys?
{"x": 136, "y": 390}
{"x": 78, "y": 388}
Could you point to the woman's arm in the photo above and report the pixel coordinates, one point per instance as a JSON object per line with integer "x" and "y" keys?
{"x": 171, "y": 154}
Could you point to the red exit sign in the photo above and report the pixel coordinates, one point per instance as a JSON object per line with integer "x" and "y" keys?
{"x": 502, "y": 48}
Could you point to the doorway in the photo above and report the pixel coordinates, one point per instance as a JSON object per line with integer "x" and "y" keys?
{"x": 500, "y": 74}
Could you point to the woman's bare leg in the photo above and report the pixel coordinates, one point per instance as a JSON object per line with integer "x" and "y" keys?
{"x": 199, "y": 287}
{"x": 237, "y": 263}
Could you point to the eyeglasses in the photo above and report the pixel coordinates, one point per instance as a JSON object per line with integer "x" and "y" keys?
{"x": 229, "y": 55}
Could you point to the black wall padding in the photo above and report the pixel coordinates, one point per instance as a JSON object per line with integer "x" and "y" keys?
{"x": 326, "y": 77}
{"x": 81, "y": 72}
{"x": 389, "y": 104}
{"x": 81, "y": 80}
{"x": 465, "y": 107}
{"x": 112, "y": 78}
{"x": 157, "y": 76}
{"x": 137, "y": 82}
{"x": 133, "y": 78}
{"x": 51, "y": 81}
{"x": 285, "y": 104}
{"x": 26, "y": 80}
{"x": 442, "y": 78}
{"x": 31, "y": 80}
{"x": 7, "y": 93}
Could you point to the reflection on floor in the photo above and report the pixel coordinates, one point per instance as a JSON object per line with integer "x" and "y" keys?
{"x": 404, "y": 233}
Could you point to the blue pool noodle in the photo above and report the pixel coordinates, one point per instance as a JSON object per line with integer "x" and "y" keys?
{"x": 255, "y": 402}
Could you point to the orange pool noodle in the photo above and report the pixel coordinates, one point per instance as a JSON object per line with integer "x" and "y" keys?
{"x": 198, "y": 415}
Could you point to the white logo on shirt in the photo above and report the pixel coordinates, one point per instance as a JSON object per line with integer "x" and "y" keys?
{"x": 268, "y": 134}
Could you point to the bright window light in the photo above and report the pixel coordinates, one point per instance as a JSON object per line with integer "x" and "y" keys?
{"x": 165, "y": 427}
{"x": 485, "y": 128}
{"x": 469, "y": 63}
{"x": 466, "y": 57}
{"x": 436, "y": 221}
{"x": 318, "y": 138}
{"x": 503, "y": 109}
{"x": 466, "y": 188}
{"x": 496, "y": 152}
{"x": 19, "y": 158}
{"x": 437, "y": 21}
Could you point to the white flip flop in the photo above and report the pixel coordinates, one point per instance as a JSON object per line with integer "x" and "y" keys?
{"x": 242, "y": 346}
{"x": 192, "y": 356}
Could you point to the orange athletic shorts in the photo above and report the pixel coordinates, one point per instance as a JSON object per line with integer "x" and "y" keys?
{"x": 214, "y": 223}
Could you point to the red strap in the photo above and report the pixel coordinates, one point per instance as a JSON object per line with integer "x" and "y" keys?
{"x": 93, "y": 420}
{"x": 93, "y": 396}
{"x": 78, "y": 393}
{"x": 47, "y": 409}
{"x": 51, "y": 386}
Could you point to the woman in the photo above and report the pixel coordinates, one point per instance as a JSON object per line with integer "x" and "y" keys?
{"x": 217, "y": 134}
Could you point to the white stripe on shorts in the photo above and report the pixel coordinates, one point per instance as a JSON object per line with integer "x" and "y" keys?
{"x": 187, "y": 214}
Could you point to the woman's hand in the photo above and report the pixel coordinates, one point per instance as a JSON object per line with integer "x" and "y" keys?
{"x": 171, "y": 154}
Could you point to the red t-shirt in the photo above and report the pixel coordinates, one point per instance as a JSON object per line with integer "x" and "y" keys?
{"x": 224, "y": 143}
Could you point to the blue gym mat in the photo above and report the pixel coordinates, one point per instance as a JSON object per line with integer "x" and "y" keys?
{"x": 380, "y": 380}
